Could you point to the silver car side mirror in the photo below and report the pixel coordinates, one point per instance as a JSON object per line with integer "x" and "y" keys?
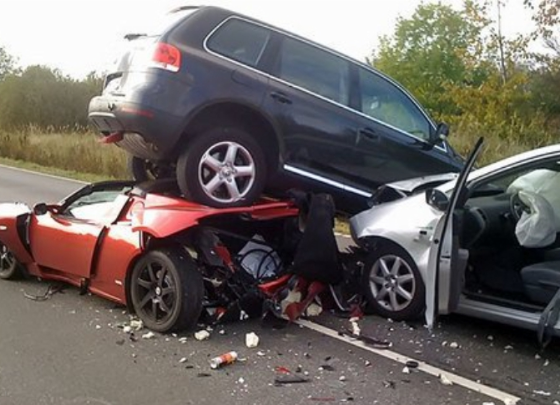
{"x": 437, "y": 199}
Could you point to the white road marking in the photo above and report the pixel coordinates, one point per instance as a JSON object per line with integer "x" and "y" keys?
{"x": 52, "y": 176}
{"x": 506, "y": 398}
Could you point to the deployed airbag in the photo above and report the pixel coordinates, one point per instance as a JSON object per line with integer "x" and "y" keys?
{"x": 545, "y": 183}
{"x": 536, "y": 228}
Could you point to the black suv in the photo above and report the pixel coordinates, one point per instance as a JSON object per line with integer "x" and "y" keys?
{"x": 234, "y": 107}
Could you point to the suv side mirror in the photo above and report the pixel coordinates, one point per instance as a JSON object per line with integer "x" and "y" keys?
{"x": 437, "y": 199}
{"x": 440, "y": 134}
{"x": 40, "y": 209}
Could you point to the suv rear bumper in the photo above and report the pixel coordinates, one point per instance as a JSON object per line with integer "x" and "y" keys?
{"x": 148, "y": 133}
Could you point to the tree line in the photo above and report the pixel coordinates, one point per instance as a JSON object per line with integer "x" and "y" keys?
{"x": 467, "y": 73}
{"x": 42, "y": 97}
{"x": 455, "y": 61}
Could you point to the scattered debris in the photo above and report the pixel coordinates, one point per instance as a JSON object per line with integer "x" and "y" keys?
{"x": 454, "y": 345}
{"x": 97, "y": 327}
{"x": 406, "y": 370}
{"x": 389, "y": 384}
{"x": 136, "y": 324}
{"x": 261, "y": 353}
{"x": 223, "y": 360}
{"x": 367, "y": 363}
{"x": 51, "y": 290}
{"x": 289, "y": 379}
{"x": 490, "y": 338}
{"x": 326, "y": 367}
{"x": 541, "y": 392}
{"x": 183, "y": 360}
{"x": 251, "y": 340}
{"x": 508, "y": 347}
{"x": 379, "y": 344}
{"x": 444, "y": 380}
{"x": 202, "y": 335}
{"x": 127, "y": 329}
{"x": 183, "y": 340}
{"x": 546, "y": 363}
{"x": 342, "y": 378}
{"x": 204, "y": 375}
{"x": 355, "y": 327}
{"x": 537, "y": 356}
{"x": 241, "y": 380}
{"x": 282, "y": 369}
{"x": 148, "y": 335}
{"x": 488, "y": 403}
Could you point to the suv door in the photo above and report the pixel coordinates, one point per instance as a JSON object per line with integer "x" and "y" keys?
{"x": 447, "y": 261}
{"x": 394, "y": 134}
{"x": 309, "y": 98}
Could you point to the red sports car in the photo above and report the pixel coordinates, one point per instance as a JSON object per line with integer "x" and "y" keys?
{"x": 144, "y": 246}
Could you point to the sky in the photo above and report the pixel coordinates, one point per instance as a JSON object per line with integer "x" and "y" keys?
{"x": 80, "y": 36}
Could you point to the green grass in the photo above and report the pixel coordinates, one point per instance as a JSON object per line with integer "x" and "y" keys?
{"x": 75, "y": 154}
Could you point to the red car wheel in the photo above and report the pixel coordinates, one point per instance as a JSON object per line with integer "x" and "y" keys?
{"x": 9, "y": 266}
{"x": 167, "y": 290}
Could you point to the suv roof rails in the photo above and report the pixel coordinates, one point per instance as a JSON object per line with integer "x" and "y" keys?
{"x": 183, "y": 8}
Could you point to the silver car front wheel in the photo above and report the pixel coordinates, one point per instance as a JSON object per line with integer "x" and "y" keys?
{"x": 392, "y": 283}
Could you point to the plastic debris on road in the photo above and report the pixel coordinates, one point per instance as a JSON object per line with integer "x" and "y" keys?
{"x": 202, "y": 335}
{"x": 251, "y": 340}
{"x": 148, "y": 335}
{"x": 444, "y": 380}
{"x": 223, "y": 360}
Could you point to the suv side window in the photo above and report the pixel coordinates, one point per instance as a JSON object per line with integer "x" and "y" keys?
{"x": 240, "y": 41}
{"x": 382, "y": 100}
{"x": 315, "y": 70}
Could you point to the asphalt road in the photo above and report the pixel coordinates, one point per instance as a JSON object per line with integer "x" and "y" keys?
{"x": 71, "y": 350}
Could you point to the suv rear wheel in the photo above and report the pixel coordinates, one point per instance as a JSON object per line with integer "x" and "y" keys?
{"x": 222, "y": 167}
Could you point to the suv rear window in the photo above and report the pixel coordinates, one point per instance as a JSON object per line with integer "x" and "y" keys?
{"x": 240, "y": 41}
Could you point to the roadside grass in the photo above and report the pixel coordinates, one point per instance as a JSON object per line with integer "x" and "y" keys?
{"x": 77, "y": 154}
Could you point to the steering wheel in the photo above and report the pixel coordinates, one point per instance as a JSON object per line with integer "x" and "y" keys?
{"x": 517, "y": 207}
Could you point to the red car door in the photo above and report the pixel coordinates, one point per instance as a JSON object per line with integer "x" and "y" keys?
{"x": 63, "y": 243}
{"x": 65, "y": 239}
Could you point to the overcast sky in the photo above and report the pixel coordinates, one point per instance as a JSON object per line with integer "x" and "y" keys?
{"x": 79, "y": 36}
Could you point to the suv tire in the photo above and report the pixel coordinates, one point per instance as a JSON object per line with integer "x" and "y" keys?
{"x": 222, "y": 167}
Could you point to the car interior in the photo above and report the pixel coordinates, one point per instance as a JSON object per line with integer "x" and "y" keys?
{"x": 494, "y": 222}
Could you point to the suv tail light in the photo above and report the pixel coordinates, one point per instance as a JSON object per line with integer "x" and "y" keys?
{"x": 166, "y": 57}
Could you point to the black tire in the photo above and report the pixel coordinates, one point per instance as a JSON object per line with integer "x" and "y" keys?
{"x": 10, "y": 268}
{"x": 195, "y": 175}
{"x": 407, "y": 279}
{"x": 144, "y": 170}
{"x": 167, "y": 290}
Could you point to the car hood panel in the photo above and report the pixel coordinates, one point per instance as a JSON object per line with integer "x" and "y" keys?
{"x": 410, "y": 185}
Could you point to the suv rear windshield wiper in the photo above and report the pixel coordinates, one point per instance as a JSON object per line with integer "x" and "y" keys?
{"x": 131, "y": 37}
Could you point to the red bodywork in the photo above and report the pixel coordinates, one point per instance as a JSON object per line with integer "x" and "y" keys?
{"x": 98, "y": 252}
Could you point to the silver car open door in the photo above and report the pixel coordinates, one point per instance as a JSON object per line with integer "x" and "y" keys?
{"x": 447, "y": 262}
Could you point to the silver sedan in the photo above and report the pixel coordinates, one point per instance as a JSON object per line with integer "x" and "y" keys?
{"x": 474, "y": 243}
